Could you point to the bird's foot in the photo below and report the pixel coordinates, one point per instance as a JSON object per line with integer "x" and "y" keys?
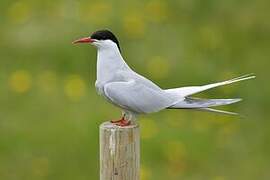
{"x": 121, "y": 122}
{"x": 117, "y": 121}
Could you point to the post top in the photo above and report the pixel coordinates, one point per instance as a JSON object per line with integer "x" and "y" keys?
{"x": 108, "y": 125}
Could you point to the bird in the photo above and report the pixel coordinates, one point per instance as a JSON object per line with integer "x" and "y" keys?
{"x": 135, "y": 94}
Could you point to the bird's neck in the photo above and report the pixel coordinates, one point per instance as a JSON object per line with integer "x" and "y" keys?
{"x": 109, "y": 61}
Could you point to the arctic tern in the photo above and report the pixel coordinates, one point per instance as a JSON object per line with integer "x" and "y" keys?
{"x": 135, "y": 94}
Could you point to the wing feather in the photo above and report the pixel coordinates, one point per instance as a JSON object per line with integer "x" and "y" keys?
{"x": 137, "y": 97}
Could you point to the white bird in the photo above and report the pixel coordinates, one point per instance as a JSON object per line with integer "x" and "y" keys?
{"x": 135, "y": 94}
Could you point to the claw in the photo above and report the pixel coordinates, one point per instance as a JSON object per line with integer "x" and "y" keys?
{"x": 117, "y": 121}
{"x": 121, "y": 122}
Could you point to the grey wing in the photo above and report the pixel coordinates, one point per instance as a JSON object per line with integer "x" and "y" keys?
{"x": 137, "y": 97}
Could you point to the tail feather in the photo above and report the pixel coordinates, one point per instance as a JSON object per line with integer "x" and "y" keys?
{"x": 194, "y": 103}
{"x": 187, "y": 91}
{"x": 187, "y": 102}
{"x": 218, "y": 111}
{"x": 245, "y": 76}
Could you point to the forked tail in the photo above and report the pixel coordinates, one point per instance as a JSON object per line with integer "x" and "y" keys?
{"x": 204, "y": 104}
{"x": 187, "y": 102}
{"x": 187, "y": 91}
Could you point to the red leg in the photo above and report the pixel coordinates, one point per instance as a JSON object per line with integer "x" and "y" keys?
{"x": 117, "y": 121}
{"x": 121, "y": 122}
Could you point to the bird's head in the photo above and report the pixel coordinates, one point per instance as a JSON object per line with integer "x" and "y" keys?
{"x": 102, "y": 39}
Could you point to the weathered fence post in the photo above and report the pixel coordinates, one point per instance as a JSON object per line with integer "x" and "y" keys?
{"x": 119, "y": 152}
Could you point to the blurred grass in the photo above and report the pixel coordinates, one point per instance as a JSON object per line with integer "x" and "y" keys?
{"x": 50, "y": 112}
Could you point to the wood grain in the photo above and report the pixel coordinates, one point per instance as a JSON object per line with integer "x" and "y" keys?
{"x": 119, "y": 152}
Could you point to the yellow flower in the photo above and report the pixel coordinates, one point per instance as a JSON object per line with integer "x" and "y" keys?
{"x": 18, "y": 12}
{"x": 156, "y": 11}
{"x": 20, "y": 81}
{"x": 74, "y": 87}
{"x": 134, "y": 25}
{"x": 98, "y": 13}
{"x": 149, "y": 128}
{"x": 145, "y": 173}
{"x": 175, "y": 151}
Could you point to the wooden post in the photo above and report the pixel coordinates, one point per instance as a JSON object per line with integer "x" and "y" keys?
{"x": 119, "y": 152}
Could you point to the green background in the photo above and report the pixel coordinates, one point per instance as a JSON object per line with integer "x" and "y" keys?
{"x": 50, "y": 112}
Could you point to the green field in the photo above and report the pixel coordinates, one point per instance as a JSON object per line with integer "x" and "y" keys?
{"x": 50, "y": 111}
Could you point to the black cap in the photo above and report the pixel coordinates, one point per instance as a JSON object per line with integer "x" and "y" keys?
{"x": 105, "y": 35}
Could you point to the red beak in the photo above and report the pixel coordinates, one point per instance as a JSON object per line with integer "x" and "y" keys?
{"x": 84, "y": 40}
